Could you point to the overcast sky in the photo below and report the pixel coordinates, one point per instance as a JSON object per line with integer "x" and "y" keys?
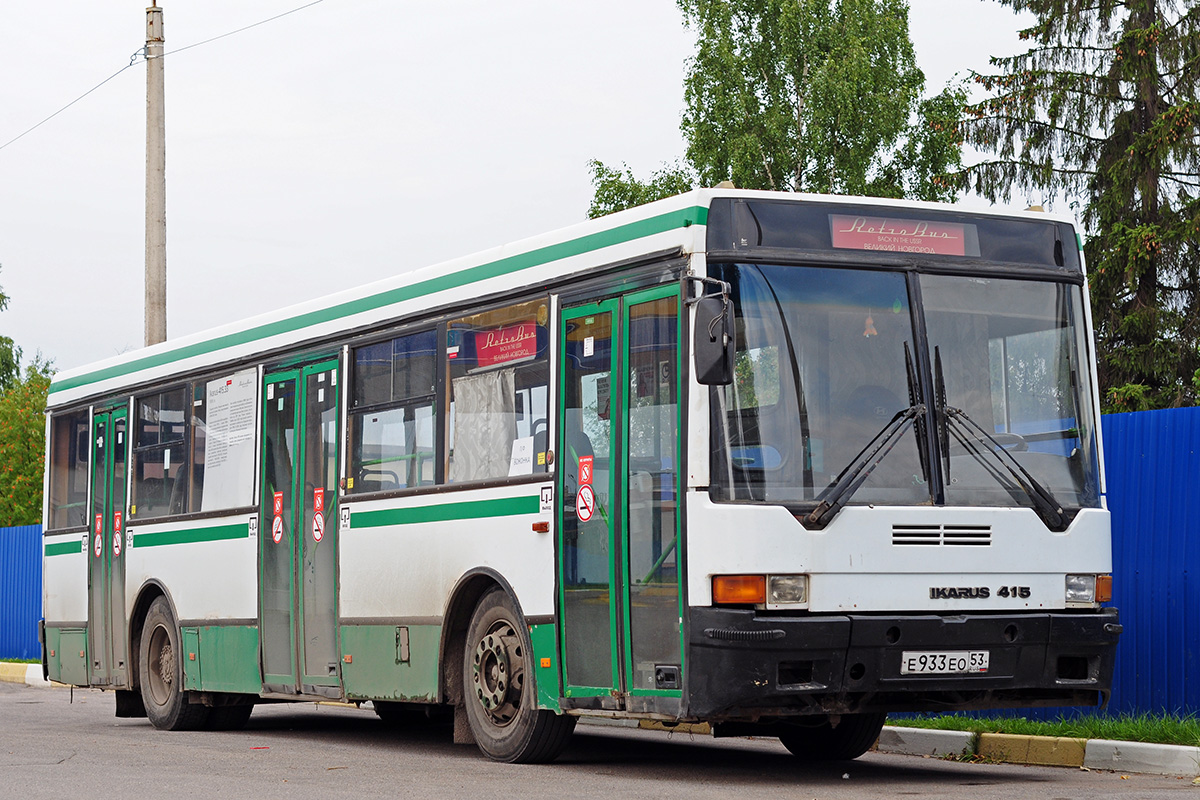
{"x": 335, "y": 146}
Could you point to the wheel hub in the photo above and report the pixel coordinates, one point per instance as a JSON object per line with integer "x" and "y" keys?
{"x": 497, "y": 673}
{"x": 492, "y": 671}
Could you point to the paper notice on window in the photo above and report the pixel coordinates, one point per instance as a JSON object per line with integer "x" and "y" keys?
{"x": 228, "y": 480}
{"x": 521, "y": 462}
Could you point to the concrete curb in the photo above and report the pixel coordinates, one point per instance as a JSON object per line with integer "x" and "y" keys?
{"x": 28, "y": 674}
{"x": 924, "y": 742}
{"x": 1155, "y": 759}
{"x": 1139, "y": 757}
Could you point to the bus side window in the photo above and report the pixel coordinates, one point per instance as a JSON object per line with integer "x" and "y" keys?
{"x": 498, "y": 362}
{"x": 68, "y": 469}
{"x": 392, "y": 416}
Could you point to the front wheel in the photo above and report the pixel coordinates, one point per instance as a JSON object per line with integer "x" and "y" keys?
{"x": 499, "y": 692}
{"x": 160, "y": 670}
{"x": 853, "y": 736}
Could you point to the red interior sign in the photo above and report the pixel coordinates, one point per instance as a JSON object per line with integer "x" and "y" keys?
{"x": 892, "y": 235}
{"x": 510, "y": 343}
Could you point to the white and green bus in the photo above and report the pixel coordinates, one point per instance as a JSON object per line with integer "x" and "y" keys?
{"x": 780, "y": 463}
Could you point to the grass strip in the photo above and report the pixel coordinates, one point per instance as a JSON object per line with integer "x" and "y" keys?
{"x": 1166, "y": 728}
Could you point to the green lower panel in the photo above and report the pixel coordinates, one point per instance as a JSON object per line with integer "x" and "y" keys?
{"x": 191, "y": 658}
{"x": 229, "y": 655}
{"x": 66, "y": 655}
{"x": 386, "y": 662}
{"x": 545, "y": 651}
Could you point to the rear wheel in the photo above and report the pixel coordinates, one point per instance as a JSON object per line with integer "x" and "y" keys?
{"x": 160, "y": 670}
{"x": 852, "y": 737}
{"x": 499, "y": 691}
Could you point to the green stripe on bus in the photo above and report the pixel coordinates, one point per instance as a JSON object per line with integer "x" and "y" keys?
{"x": 447, "y": 512}
{"x": 192, "y": 535}
{"x": 697, "y": 215}
{"x": 65, "y": 548}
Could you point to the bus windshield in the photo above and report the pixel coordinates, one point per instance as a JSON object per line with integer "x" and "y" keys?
{"x": 826, "y": 359}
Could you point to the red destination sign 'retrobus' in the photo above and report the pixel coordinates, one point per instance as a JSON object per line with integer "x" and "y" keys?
{"x": 510, "y": 343}
{"x": 898, "y": 235}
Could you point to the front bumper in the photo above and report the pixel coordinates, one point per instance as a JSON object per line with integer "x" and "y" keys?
{"x": 745, "y": 666}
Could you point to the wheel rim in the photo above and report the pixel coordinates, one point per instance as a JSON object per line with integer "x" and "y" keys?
{"x": 161, "y": 666}
{"x": 498, "y": 673}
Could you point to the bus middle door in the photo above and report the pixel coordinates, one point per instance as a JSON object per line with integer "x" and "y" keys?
{"x": 298, "y": 556}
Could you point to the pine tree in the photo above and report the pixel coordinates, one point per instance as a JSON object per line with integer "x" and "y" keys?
{"x": 1103, "y": 111}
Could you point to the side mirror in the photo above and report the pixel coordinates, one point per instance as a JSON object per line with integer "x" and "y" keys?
{"x": 713, "y": 341}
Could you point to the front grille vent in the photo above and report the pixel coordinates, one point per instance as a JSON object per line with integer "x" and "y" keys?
{"x": 942, "y": 535}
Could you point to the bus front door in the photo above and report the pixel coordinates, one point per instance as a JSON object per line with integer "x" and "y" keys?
{"x": 107, "y": 626}
{"x": 618, "y": 480}
{"x": 298, "y": 539}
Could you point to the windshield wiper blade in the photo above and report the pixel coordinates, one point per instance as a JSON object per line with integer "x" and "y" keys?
{"x": 970, "y": 434}
{"x": 853, "y": 476}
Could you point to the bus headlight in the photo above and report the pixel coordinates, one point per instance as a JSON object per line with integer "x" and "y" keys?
{"x": 785, "y": 591}
{"x": 1081, "y": 589}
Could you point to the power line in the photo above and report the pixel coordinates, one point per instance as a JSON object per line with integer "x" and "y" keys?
{"x": 248, "y": 27}
{"x": 133, "y": 59}
{"x": 141, "y": 54}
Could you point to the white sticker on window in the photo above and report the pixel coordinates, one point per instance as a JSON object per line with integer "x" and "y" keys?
{"x": 321, "y": 395}
{"x": 589, "y": 346}
{"x": 521, "y": 460}
{"x": 270, "y": 391}
{"x": 333, "y": 377}
{"x": 167, "y": 460}
{"x": 320, "y": 377}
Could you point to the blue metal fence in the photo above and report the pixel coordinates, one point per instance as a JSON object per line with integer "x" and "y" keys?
{"x": 1152, "y": 460}
{"x": 20, "y": 591}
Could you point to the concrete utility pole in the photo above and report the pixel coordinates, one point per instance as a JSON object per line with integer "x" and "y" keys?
{"x": 156, "y": 181}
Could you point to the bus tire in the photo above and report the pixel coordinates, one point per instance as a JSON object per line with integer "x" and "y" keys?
{"x": 229, "y": 718}
{"x": 498, "y": 688}
{"x": 852, "y": 737}
{"x": 160, "y": 670}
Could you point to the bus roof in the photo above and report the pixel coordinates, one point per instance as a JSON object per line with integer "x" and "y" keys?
{"x": 674, "y": 223}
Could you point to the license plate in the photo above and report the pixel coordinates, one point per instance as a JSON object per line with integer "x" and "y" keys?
{"x": 956, "y": 662}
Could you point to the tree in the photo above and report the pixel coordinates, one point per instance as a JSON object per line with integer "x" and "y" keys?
{"x": 22, "y": 445}
{"x": 10, "y": 355}
{"x": 804, "y": 95}
{"x": 1103, "y": 109}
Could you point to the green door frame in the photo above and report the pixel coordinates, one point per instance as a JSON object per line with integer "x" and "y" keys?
{"x": 628, "y": 302}
{"x": 108, "y": 640}
{"x": 619, "y": 600}
{"x": 611, "y": 307}
{"x": 296, "y": 681}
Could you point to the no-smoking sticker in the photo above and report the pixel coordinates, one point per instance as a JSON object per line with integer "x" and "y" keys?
{"x": 277, "y": 522}
{"x": 318, "y": 526}
{"x": 585, "y": 470}
{"x": 585, "y": 503}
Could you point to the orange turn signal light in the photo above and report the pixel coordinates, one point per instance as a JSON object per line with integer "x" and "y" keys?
{"x": 1103, "y": 588}
{"x": 739, "y": 590}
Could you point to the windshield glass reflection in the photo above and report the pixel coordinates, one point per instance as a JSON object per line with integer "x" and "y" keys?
{"x": 819, "y": 372}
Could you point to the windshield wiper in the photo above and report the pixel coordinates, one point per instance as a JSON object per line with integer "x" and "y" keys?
{"x": 956, "y": 422}
{"x": 972, "y": 436}
{"x": 853, "y": 476}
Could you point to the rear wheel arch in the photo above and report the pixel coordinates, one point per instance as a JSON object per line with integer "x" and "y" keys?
{"x": 150, "y": 591}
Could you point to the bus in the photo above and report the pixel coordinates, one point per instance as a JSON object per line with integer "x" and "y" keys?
{"x": 779, "y": 463}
